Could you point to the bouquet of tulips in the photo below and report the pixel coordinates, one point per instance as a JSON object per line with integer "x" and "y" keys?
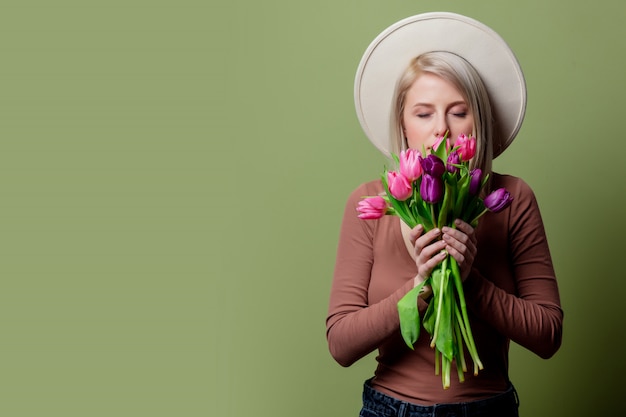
{"x": 434, "y": 191}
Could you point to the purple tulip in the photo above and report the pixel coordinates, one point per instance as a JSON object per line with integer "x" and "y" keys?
{"x": 433, "y": 166}
{"x": 476, "y": 177}
{"x": 498, "y": 200}
{"x": 431, "y": 189}
{"x": 453, "y": 159}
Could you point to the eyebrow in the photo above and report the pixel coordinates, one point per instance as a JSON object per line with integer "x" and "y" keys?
{"x": 455, "y": 103}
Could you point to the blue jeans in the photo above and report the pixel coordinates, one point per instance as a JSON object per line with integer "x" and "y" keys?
{"x": 377, "y": 404}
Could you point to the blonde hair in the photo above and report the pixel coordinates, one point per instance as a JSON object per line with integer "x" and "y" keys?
{"x": 464, "y": 78}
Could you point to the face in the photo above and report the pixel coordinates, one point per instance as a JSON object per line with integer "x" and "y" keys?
{"x": 433, "y": 106}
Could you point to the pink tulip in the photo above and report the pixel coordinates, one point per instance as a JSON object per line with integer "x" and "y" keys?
{"x": 399, "y": 186}
{"x": 467, "y": 147}
{"x": 410, "y": 165}
{"x": 372, "y": 208}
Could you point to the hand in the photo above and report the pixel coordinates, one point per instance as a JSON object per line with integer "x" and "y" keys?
{"x": 429, "y": 252}
{"x": 461, "y": 245}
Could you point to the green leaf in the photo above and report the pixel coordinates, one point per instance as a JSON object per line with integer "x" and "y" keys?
{"x": 462, "y": 197}
{"x": 445, "y": 205}
{"x": 484, "y": 181}
{"x": 401, "y": 208}
{"x": 422, "y": 210}
{"x": 429, "y": 317}
{"x": 474, "y": 209}
{"x": 445, "y": 339}
{"x": 409, "y": 315}
{"x": 441, "y": 151}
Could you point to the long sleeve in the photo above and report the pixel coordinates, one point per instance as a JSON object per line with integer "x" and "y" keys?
{"x": 356, "y": 323}
{"x": 530, "y": 313}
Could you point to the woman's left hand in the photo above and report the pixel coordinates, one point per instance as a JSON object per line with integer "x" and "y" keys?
{"x": 461, "y": 245}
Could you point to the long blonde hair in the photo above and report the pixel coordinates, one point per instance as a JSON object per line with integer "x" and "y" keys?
{"x": 463, "y": 77}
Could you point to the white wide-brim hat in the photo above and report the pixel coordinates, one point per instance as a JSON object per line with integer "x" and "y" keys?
{"x": 389, "y": 55}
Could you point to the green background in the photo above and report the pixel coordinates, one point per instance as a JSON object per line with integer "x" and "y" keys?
{"x": 172, "y": 179}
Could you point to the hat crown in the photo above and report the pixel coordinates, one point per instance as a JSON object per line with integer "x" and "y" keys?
{"x": 390, "y": 53}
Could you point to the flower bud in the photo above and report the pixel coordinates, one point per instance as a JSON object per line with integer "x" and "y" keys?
{"x": 498, "y": 200}
{"x": 466, "y": 147}
{"x": 372, "y": 208}
{"x": 453, "y": 159}
{"x": 410, "y": 165}
{"x": 433, "y": 166}
{"x": 399, "y": 186}
{"x": 431, "y": 188}
{"x": 476, "y": 177}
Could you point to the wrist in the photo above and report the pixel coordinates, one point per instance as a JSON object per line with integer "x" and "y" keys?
{"x": 426, "y": 291}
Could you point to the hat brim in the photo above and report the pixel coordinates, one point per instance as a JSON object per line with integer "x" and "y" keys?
{"x": 391, "y": 52}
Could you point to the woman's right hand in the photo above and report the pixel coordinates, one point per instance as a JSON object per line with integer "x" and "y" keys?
{"x": 429, "y": 252}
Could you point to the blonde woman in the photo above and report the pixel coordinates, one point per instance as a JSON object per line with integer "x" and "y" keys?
{"x": 420, "y": 78}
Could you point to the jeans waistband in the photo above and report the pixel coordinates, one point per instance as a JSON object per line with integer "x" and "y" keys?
{"x": 500, "y": 405}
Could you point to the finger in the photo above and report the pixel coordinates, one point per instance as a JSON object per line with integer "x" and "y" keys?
{"x": 426, "y": 268}
{"x": 459, "y": 251}
{"x": 424, "y": 255}
{"x": 457, "y": 241}
{"x": 472, "y": 242}
{"x": 415, "y": 233}
{"x": 464, "y": 227}
{"x": 450, "y": 234}
{"x": 435, "y": 260}
{"x": 459, "y": 256}
{"x": 463, "y": 232}
{"x": 427, "y": 238}
{"x": 460, "y": 246}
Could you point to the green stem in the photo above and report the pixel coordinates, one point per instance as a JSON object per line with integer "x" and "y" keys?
{"x": 442, "y": 286}
{"x": 445, "y": 372}
{"x": 432, "y": 213}
{"x": 461, "y": 369}
{"x": 461, "y": 328}
{"x": 460, "y": 358}
{"x": 471, "y": 345}
{"x": 474, "y": 221}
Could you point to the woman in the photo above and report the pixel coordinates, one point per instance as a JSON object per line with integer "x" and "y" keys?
{"x": 442, "y": 72}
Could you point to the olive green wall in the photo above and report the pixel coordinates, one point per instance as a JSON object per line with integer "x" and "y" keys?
{"x": 172, "y": 177}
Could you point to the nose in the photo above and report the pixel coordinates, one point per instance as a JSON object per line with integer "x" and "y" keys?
{"x": 441, "y": 126}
